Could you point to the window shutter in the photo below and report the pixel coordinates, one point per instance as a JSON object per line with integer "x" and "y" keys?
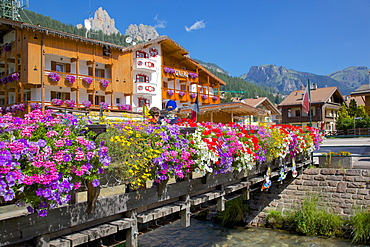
{"x": 67, "y": 96}
{"x": 68, "y": 68}
{"x": 102, "y": 73}
{"x": 90, "y": 71}
{"x": 53, "y": 65}
{"x": 90, "y": 98}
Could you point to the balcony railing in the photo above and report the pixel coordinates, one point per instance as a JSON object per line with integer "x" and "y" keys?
{"x": 97, "y": 83}
{"x": 145, "y": 64}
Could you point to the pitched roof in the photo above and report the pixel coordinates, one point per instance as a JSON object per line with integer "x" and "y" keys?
{"x": 255, "y": 102}
{"x": 48, "y": 31}
{"x": 237, "y": 108}
{"x": 319, "y": 95}
{"x": 363, "y": 90}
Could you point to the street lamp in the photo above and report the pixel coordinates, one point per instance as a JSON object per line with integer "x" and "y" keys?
{"x": 354, "y": 122}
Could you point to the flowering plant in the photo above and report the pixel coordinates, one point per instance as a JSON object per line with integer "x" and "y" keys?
{"x": 71, "y": 78}
{"x": 193, "y": 75}
{"x": 44, "y": 157}
{"x": 169, "y": 70}
{"x": 215, "y": 98}
{"x": 104, "y": 83}
{"x": 57, "y": 102}
{"x": 104, "y": 105}
{"x": 193, "y": 95}
{"x": 124, "y": 107}
{"x": 86, "y": 103}
{"x": 182, "y": 93}
{"x": 36, "y": 106}
{"x": 54, "y": 76}
{"x": 204, "y": 96}
{"x": 170, "y": 92}
{"x": 70, "y": 103}
{"x": 87, "y": 80}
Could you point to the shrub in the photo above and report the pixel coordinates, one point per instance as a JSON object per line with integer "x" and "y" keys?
{"x": 275, "y": 219}
{"x": 310, "y": 220}
{"x": 361, "y": 226}
{"x": 234, "y": 213}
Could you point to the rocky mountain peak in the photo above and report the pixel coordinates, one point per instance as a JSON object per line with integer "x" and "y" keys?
{"x": 142, "y": 32}
{"x": 102, "y": 21}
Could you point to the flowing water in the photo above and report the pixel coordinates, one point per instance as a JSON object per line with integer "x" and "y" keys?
{"x": 206, "y": 233}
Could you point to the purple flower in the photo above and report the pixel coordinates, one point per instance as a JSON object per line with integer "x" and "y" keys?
{"x": 87, "y": 80}
{"x": 67, "y": 158}
{"x": 95, "y": 183}
{"x": 170, "y": 92}
{"x": 193, "y": 95}
{"x": 41, "y": 143}
{"x": 42, "y": 213}
{"x": 54, "y": 76}
{"x": 169, "y": 70}
{"x": 86, "y": 103}
{"x": 30, "y": 209}
{"x": 35, "y": 106}
{"x": 182, "y": 94}
{"x": 71, "y": 78}
{"x": 9, "y": 195}
{"x": 104, "y": 83}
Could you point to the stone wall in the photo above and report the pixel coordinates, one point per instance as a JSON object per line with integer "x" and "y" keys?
{"x": 342, "y": 190}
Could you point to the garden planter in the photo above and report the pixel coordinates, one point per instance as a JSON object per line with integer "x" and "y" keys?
{"x": 336, "y": 161}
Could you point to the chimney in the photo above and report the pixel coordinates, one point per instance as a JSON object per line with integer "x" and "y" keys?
{"x": 301, "y": 87}
{"x": 314, "y": 86}
{"x": 256, "y": 96}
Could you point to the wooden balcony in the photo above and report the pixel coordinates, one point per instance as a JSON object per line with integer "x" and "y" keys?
{"x": 97, "y": 82}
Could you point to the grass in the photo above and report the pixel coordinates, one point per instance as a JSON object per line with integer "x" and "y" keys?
{"x": 233, "y": 213}
{"x": 360, "y": 223}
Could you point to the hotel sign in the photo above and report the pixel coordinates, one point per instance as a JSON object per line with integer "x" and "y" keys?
{"x": 181, "y": 73}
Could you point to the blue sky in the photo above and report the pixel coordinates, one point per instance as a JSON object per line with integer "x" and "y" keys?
{"x": 317, "y": 36}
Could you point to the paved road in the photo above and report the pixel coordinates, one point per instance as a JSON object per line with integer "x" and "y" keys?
{"x": 359, "y": 147}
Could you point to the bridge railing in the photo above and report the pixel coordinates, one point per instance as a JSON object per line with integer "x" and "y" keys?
{"x": 118, "y": 211}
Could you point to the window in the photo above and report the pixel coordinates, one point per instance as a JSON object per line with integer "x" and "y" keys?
{"x": 297, "y": 113}
{"x": 141, "y": 54}
{"x": 100, "y": 73}
{"x": 118, "y": 101}
{"x": 183, "y": 87}
{"x": 60, "y": 67}
{"x": 142, "y": 78}
{"x": 143, "y": 101}
{"x": 165, "y": 85}
{"x": 289, "y": 112}
{"x": 59, "y": 95}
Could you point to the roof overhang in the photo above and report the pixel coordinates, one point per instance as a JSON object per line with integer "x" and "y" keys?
{"x": 235, "y": 108}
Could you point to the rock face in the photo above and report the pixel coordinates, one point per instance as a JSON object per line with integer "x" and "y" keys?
{"x": 287, "y": 80}
{"x": 103, "y": 22}
{"x": 142, "y": 32}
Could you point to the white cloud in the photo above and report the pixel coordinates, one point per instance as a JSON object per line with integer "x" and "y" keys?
{"x": 197, "y": 25}
{"x": 160, "y": 24}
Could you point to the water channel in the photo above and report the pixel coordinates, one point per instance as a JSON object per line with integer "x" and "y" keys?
{"x": 209, "y": 234}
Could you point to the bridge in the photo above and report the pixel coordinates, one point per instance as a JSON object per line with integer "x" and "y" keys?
{"x": 118, "y": 214}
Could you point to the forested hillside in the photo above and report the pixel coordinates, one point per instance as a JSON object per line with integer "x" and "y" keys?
{"x": 250, "y": 90}
{"x": 45, "y": 21}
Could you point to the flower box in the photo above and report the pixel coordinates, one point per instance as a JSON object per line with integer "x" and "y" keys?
{"x": 54, "y": 76}
{"x": 335, "y": 161}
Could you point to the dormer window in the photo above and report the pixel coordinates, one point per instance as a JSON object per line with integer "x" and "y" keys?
{"x": 142, "y": 78}
{"x": 141, "y": 54}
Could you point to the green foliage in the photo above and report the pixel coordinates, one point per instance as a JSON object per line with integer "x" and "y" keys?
{"x": 346, "y": 115}
{"x": 234, "y": 213}
{"x": 312, "y": 220}
{"x": 308, "y": 220}
{"x": 45, "y": 21}
{"x": 250, "y": 90}
{"x": 275, "y": 219}
{"x": 361, "y": 226}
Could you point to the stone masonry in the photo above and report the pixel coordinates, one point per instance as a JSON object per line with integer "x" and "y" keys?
{"x": 342, "y": 191}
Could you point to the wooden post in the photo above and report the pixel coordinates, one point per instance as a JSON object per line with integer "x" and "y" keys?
{"x": 132, "y": 233}
{"x": 221, "y": 200}
{"x": 185, "y": 212}
{"x": 42, "y": 241}
{"x": 92, "y": 196}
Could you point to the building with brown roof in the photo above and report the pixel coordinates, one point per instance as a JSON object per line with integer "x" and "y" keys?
{"x": 325, "y": 103}
{"x": 264, "y": 104}
{"x": 364, "y": 93}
